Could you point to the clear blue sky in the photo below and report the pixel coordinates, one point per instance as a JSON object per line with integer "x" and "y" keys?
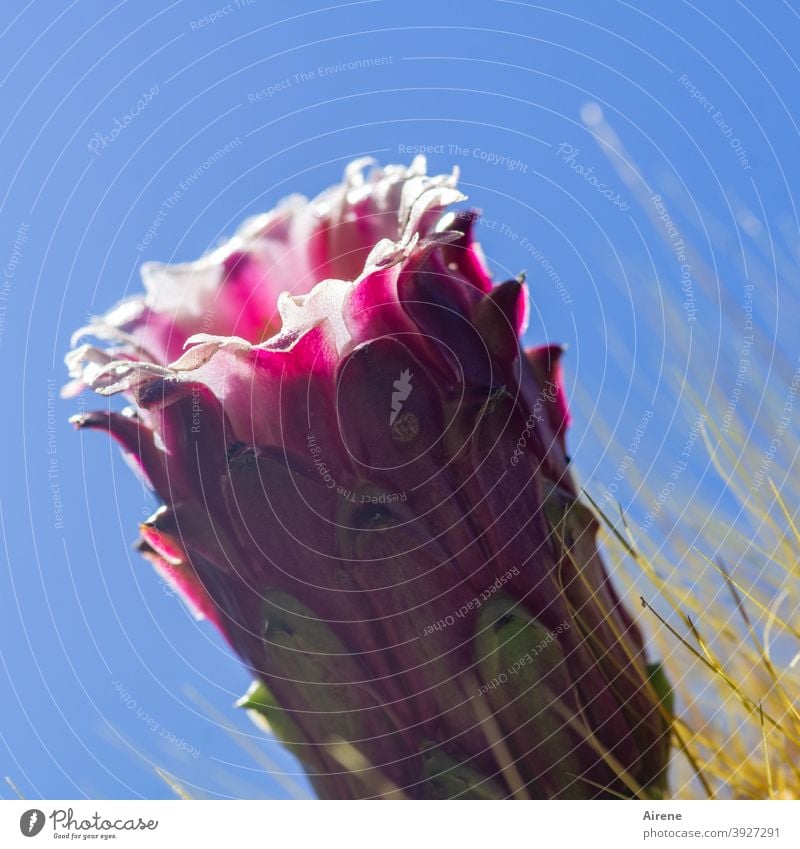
{"x": 104, "y": 674}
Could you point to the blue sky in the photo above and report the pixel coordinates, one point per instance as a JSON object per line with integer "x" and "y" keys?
{"x": 575, "y": 127}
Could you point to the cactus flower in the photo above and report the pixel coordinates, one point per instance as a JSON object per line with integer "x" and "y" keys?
{"x": 365, "y": 488}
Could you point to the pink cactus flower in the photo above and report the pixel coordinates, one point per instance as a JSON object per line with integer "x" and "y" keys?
{"x": 365, "y": 488}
